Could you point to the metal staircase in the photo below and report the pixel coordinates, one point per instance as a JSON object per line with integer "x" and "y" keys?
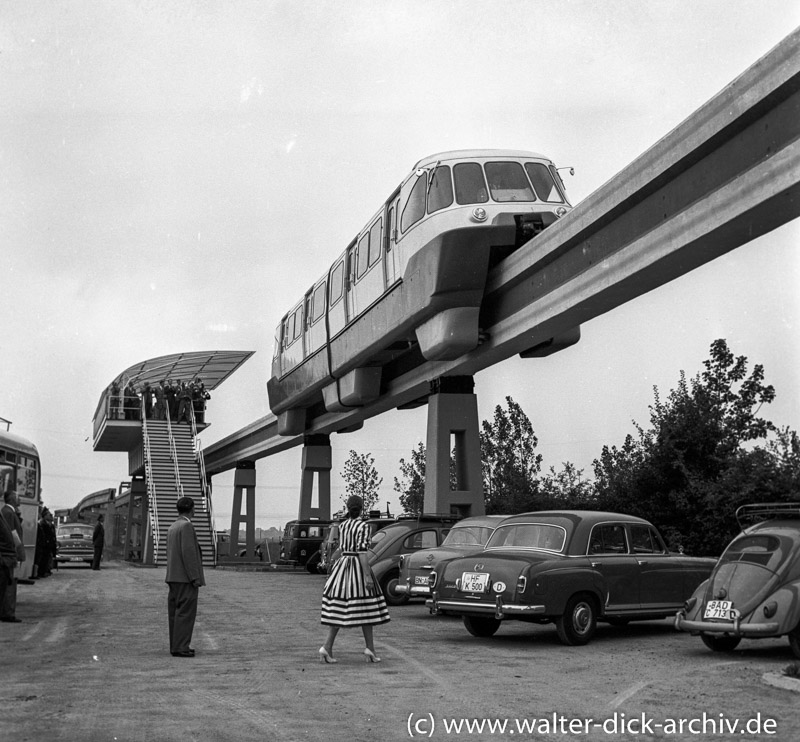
{"x": 174, "y": 468}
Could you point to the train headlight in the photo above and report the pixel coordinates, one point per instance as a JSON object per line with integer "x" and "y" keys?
{"x": 561, "y": 211}
{"x": 479, "y": 214}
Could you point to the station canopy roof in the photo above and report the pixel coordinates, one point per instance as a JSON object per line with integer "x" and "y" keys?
{"x": 212, "y": 366}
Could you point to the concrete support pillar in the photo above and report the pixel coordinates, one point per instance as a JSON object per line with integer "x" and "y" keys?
{"x": 316, "y": 460}
{"x": 244, "y": 483}
{"x": 453, "y": 430}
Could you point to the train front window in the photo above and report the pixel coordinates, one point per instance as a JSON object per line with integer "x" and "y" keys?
{"x": 470, "y": 185}
{"x": 543, "y": 183}
{"x": 414, "y": 209}
{"x": 507, "y": 182}
{"x": 440, "y": 191}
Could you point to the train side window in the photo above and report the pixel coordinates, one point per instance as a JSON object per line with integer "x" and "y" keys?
{"x": 363, "y": 256}
{"x": 507, "y": 182}
{"x": 470, "y": 185}
{"x": 297, "y": 324}
{"x": 288, "y": 332}
{"x": 375, "y": 241}
{"x": 543, "y": 182}
{"x": 440, "y": 194}
{"x": 318, "y": 303}
{"x": 414, "y": 209}
{"x": 337, "y": 282}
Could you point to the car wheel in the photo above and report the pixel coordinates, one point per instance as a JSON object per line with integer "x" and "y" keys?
{"x": 794, "y": 640}
{"x": 481, "y": 626}
{"x": 388, "y": 585}
{"x": 721, "y": 643}
{"x": 311, "y": 564}
{"x": 579, "y": 621}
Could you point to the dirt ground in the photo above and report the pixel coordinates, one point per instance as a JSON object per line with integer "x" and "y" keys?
{"x": 90, "y": 662}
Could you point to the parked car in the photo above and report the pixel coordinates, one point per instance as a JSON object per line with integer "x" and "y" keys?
{"x": 407, "y": 535}
{"x": 301, "y": 540}
{"x": 74, "y": 543}
{"x": 754, "y": 590}
{"x": 330, "y": 543}
{"x": 465, "y": 537}
{"x": 568, "y": 567}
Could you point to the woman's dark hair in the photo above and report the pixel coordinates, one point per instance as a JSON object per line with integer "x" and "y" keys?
{"x": 354, "y": 506}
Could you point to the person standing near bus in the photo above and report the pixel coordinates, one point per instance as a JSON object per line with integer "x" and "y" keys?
{"x": 8, "y": 514}
{"x": 185, "y": 578}
{"x": 98, "y": 541}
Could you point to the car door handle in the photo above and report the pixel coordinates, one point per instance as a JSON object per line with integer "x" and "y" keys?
{"x": 596, "y": 564}
{"x": 642, "y": 561}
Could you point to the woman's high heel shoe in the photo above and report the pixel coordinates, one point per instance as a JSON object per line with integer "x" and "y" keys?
{"x": 370, "y": 656}
{"x": 325, "y": 657}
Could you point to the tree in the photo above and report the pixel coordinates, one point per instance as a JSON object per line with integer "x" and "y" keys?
{"x": 411, "y": 488}
{"x": 697, "y": 462}
{"x": 566, "y": 489}
{"x": 509, "y": 461}
{"x": 361, "y": 478}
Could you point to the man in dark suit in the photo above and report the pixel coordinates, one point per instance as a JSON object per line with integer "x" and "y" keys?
{"x": 98, "y": 540}
{"x": 184, "y": 577}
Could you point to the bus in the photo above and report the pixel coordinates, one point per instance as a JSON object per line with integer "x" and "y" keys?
{"x": 20, "y": 471}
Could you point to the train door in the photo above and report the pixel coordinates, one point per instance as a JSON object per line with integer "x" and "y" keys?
{"x": 336, "y": 301}
{"x": 351, "y": 301}
{"x": 391, "y": 263}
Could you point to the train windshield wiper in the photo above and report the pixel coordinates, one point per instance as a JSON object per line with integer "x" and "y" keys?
{"x": 430, "y": 182}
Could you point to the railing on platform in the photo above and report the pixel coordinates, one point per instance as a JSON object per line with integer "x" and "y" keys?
{"x": 198, "y": 453}
{"x": 151, "y": 491}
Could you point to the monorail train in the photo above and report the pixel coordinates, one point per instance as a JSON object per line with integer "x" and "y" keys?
{"x": 412, "y": 280}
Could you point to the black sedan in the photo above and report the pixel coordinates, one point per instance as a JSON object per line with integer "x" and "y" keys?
{"x": 569, "y": 567}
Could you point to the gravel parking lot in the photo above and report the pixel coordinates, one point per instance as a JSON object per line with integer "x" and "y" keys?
{"x": 90, "y": 662}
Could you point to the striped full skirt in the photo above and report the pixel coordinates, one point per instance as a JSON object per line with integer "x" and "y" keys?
{"x": 346, "y": 601}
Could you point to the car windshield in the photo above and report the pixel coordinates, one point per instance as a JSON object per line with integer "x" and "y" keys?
{"x": 467, "y": 536}
{"x": 528, "y": 536}
{"x": 74, "y": 532}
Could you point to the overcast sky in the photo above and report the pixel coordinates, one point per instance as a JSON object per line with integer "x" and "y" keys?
{"x": 174, "y": 175}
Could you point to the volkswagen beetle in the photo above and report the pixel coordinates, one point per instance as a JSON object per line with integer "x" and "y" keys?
{"x": 754, "y": 591}
{"x": 568, "y": 567}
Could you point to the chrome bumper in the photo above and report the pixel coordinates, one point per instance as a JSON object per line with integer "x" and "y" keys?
{"x": 499, "y": 610}
{"x": 725, "y": 627}
{"x": 415, "y": 591}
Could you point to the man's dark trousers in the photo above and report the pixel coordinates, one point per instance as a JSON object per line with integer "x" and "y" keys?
{"x": 182, "y": 611}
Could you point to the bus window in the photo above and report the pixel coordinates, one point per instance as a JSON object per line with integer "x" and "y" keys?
{"x": 440, "y": 194}
{"x": 375, "y": 241}
{"x": 543, "y": 182}
{"x": 470, "y": 185}
{"x": 414, "y": 209}
{"x": 318, "y": 303}
{"x": 6, "y": 478}
{"x": 337, "y": 283}
{"x": 26, "y": 477}
{"x": 363, "y": 255}
{"x": 507, "y": 182}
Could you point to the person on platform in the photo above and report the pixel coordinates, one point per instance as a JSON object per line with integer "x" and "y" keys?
{"x": 8, "y": 561}
{"x": 185, "y": 577}
{"x": 184, "y": 403}
{"x": 352, "y": 596}
{"x": 132, "y": 402}
{"x": 159, "y": 410}
{"x": 170, "y": 390}
{"x": 113, "y": 401}
{"x": 98, "y": 541}
{"x": 199, "y": 398}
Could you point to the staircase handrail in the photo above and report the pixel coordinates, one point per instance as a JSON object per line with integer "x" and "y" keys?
{"x": 151, "y": 488}
{"x": 198, "y": 453}
{"x": 173, "y": 452}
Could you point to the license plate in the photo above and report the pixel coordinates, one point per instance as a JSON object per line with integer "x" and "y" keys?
{"x": 718, "y": 609}
{"x": 421, "y": 580}
{"x": 76, "y": 559}
{"x": 474, "y": 582}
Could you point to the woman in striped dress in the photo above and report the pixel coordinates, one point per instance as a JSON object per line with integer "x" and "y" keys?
{"x": 351, "y": 596}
